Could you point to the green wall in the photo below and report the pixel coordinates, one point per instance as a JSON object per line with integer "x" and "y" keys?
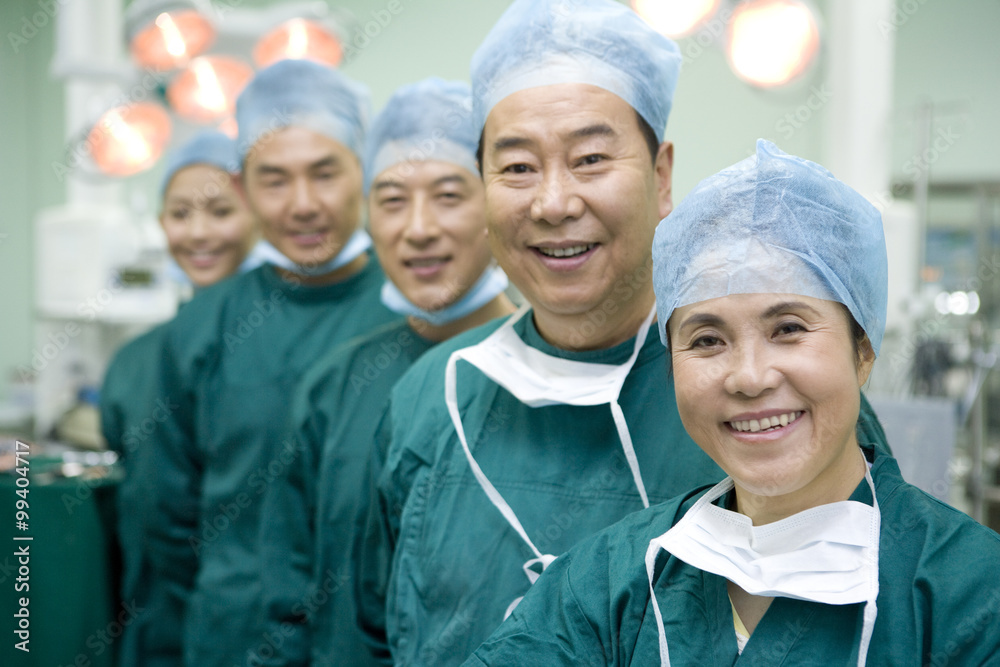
{"x": 31, "y": 132}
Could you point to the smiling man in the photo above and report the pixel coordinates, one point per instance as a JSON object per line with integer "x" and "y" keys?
{"x": 233, "y": 356}
{"x": 507, "y": 445}
{"x": 428, "y": 224}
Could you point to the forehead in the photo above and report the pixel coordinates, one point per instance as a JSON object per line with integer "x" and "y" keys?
{"x": 197, "y": 177}
{"x": 422, "y": 174}
{"x": 294, "y": 147}
{"x": 551, "y": 114}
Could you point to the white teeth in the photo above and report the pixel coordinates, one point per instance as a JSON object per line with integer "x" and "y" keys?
{"x": 566, "y": 252}
{"x": 766, "y": 423}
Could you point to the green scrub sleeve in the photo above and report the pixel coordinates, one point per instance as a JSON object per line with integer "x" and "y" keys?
{"x": 287, "y": 539}
{"x": 557, "y": 628}
{"x": 377, "y": 543}
{"x": 177, "y": 491}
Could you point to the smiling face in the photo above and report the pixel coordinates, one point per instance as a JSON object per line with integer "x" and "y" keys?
{"x": 306, "y": 189}
{"x": 429, "y": 229}
{"x": 209, "y": 229}
{"x": 769, "y": 386}
{"x": 573, "y": 199}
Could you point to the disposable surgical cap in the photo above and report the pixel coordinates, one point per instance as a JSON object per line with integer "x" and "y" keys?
{"x": 773, "y": 223}
{"x": 208, "y": 147}
{"x": 305, "y": 94}
{"x": 427, "y": 120}
{"x": 598, "y": 42}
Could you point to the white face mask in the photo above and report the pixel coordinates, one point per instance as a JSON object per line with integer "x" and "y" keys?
{"x": 357, "y": 244}
{"x": 826, "y": 554}
{"x": 538, "y": 379}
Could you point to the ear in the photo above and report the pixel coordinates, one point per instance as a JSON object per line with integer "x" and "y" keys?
{"x": 866, "y": 361}
{"x": 664, "y": 173}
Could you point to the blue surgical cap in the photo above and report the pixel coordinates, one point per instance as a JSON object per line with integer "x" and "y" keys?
{"x": 598, "y": 42}
{"x": 305, "y": 94}
{"x": 208, "y": 147}
{"x": 427, "y": 120}
{"x": 773, "y": 223}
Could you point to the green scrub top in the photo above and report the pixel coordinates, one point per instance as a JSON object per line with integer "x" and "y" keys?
{"x": 937, "y": 604}
{"x": 231, "y": 360}
{"x": 130, "y": 413}
{"x": 312, "y": 512}
{"x": 456, "y": 564}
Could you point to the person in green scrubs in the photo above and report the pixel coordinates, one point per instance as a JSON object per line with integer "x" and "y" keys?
{"x": 771, "y": 284}
{"x": 507, "y": 445}
{"x": 210, "y": 234}
{"x": 232, "y": 357}
{"x": 427, "y": 220}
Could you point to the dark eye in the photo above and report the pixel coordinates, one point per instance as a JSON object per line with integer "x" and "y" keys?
{"x": 179, "y": 213}
{"x": 222, "y": 212}
{"x": 786, "y": 328}
{"x": 449, "y": 197}
{"x": 519, "y": 168}
{"x": 705, "y": 342}
{"x": 591, "y": 159}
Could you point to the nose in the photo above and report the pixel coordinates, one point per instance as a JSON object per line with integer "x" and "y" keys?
{"x": 556, "y": 199}
{"x": 304, "y": 202}
{"x": 751, "y": 372}
{"x": 198, "y": 226}
{"x": 421, "y": 223}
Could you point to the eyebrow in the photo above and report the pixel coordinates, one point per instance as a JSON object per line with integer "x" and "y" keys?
{"x": 386, "y": 183}
{"x": 449, "y": 178}
{"x": 504, "y": 143}
{"x": 779, "y": 308}
{"x": 710, "y": 319}
{"x": 265, "y": 169}
{"x": 595, "y": 130}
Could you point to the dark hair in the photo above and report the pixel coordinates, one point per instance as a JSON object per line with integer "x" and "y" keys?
{"x": 648, "y": 135}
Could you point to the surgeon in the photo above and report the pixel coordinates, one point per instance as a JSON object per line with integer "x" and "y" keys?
{"x": 428, "y": 223}
{"x": 771, "y": 291}
{"x": 210, "y": 235}
{"x": 507, "y": 445}
{"x": 233, "y": 356}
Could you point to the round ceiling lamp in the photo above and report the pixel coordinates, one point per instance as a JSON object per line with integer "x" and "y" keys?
{"x": 298, "y": 39}
{"x": 129, "y": 139}
{"x": 772, "y": 42}
{"x": 676, "y": 18}
{"x": 166, "y": 34}
{"x": 206, "y": 90}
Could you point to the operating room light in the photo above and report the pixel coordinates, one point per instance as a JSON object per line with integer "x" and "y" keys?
{"x": 298, "y": 39}
{"x": 171, "y": 39}
{"x": 675, "y": 18}
{"x": 206, "y": 90}
{"x": 129, "y": 139}
{"x": 771, "y": 42}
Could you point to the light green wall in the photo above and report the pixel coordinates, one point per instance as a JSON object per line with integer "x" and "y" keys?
{"x": 31, "y": 130}
{"x": 948, "y": 53}
{"x": 946, "y": 50}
